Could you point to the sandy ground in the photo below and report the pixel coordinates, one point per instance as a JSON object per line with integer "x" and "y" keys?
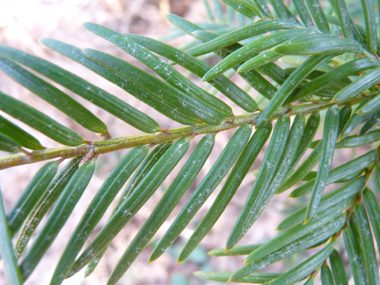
{"x": 22, "y": 24}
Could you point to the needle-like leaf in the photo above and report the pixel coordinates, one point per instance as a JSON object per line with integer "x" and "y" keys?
{"x": 245, "y": 7}
{"x": 354, "y": 141}
{"x": 144, "y": 190}
{"x": 58, "y": 217}
{"x": 321, "y": 47}
{"x": 9, "y": 145}
{"x": 289, "y": 85}
{"x": 237, "y": 250}
{"x": 204, "y": 190}
{"x": 259, "y": 60}
{"x": 287, "y": 158}
{"x": 304, "y": 13}
{"x": 363, "y": 83}
{"x": 30, "y": 196}
{"x": 250, "y": 50}
{"x": 146, "y": 165}
{"x": 346, "y": 171}
{"x": 326, "y": 276}
{"x": 39, "y": 121}
{"x": 305, "y": 268}
{"x": 165, "y": 107}
{"x": 330, "y": 135}
{"x": 371, "y": 123}
{"x": 166, "y": 205}
{"x": 164, "y": 70}
{"x": 318, "y": 15}
{"x": 294, "y": 233}
{"x": 355, "y": 119}
{"x": 88, "y": 91}
{"x": 370, "y": 25}
{"x": 282, "y": 11}
{"x": 257, "y": 28}
{"x": 310, "y": 280}
{"x": 218, "y": 10}
{"x": 344, "y": 117}
{"x": 308, "y": 135}
{"x": 160, "y": 89}
{"x": 198, "y": 67}
{"x": 208, "y": 9}
{"x": 96, "y": 210}
{"x": 12, "y": 270}
{"x": 291, "y": 153}
{"x": 18, "y": 135}
{"x": 298, "y": 174}
{"x": 239, "y": 171}
{"x": 351, "y": 242}
{"x": 346, "y": 23}
{"x": 344, "y": 196}
{"x": 373, "y": 210}
{"x": 263, "y": 7}
{"x": 257, "y": 278}
{"x": 313, "y": 238}
{"x": 254, "y": 203}
{"x": 44, "y": 204}
{"x": 370, "y": 106}
{"x": 52, "y": 95}
{"x": 338, "y": 270}
{"x": 269, "y": 56}
{"x": 253, "y": 78}
{"x": 360, "y": 223}
{"x": 337, "y": 74}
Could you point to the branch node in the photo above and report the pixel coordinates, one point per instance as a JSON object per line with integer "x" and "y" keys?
{"x": 30, "y": 154}
{"x": 105, "y": 136}
{"x": 90, "y": 155}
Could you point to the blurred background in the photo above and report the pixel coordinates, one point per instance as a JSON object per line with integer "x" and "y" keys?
{"x": 22, "y": 24}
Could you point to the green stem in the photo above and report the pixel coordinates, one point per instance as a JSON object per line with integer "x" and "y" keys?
{"x": 101, "y": 146}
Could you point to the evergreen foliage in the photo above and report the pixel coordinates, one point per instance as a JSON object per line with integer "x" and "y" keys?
{"x": 335, "y": 66}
